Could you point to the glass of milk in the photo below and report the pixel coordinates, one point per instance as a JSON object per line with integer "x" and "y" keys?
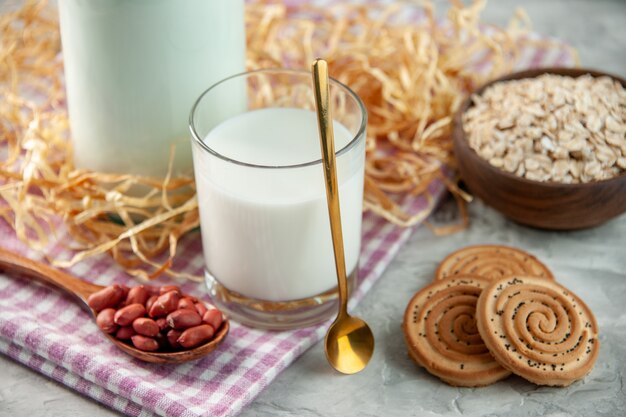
{"x": 260, "y": 184}
{"x": 133, "y": 69}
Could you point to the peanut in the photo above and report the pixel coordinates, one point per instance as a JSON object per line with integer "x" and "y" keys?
{"x": 186, "y": 302}
{"x": 183, "y": 319}
{"x": 125, "y": 316}
{"x": 214, "y": 318}
{"x": 162, "y": 323}
{"x": 105, "y": 298}
{"x": 146, "y": 327}
{"x": 125, "y": 333}
{"x": 137, "y": 295}
{"x": 195, "y": 336}
{"x": 152, "y": 290}
{"x": 151, "y": 301}
{"x": 165, "y": 304}
{"x": 125, "y": 291}
{"x": 155, "y": 318}
{"x": 145, "y": 343}
{"x": 105, "y": 321}
{"x": 167, "y": 288}
{"x": 172, "y": 338}
{"x": 200, "y": 308}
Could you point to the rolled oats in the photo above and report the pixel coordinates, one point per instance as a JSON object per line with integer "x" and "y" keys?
{"x": 497, "y": 162}
{"x": 531, "y": 164}
{"x": 606, "y": 155}
{"x": 560, "y": 153}
{"x": 547, "y": 144}
{"x": 511, "y": 163}
{"x": 551, "y": 128}
{"x": 560, "y": 169}
{"x": 613, "y": 125}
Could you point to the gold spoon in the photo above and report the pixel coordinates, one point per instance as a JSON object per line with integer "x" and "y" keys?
{"x": 349, "y": 343}
{"x": 12, "y": 262}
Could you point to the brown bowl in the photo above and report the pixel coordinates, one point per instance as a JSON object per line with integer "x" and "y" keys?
{"x": 546, "y": 205}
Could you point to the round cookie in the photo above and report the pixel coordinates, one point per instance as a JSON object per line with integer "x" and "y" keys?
{"x": 538, "y": 329}
{"x": 492, "y": 261}
{"x": 441, "y": 335}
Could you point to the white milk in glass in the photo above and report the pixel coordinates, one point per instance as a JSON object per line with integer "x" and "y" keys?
{"x": 133, "y": 70}
{"x": 265, "y": 231}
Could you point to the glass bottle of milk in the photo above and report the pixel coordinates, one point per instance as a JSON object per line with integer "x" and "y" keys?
{"x": 133, "y": 69}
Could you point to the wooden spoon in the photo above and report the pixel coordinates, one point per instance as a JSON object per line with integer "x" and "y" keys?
{"x": 349, "y": 341}
{"x": 12, "y": 262}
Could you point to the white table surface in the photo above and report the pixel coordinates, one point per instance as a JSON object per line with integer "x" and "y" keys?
{"x": 592, "y": 262}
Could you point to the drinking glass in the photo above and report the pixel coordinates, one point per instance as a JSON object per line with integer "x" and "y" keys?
{"x": 262, "y": 202}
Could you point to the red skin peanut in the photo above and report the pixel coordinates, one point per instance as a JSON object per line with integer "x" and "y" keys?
{"x": 151, "y": 301}
{"x": 165, "y": 304}
{"x": 162, "y": 323}
{"x": 126, "y": 315}
{"x": 186, "y": 302}
{"x": 105, "y": 320}
{"x": 167, "y": 288}
{"x": 200, "y": 308}
{"x": 214, "y": 318}
{"x": 183, "y": 319}
{"x": 147, "y": 344}
{"x": 195, "y": 336}
{"x": 172, "y": 338}
{"x": 108, "y": 297}
{"x": 152, "y": 290}
{"x": 125, "y": 333}
{"x": 146, "y": 327}
{"x": 137, "y": 295}
{"x": 125, "y": 290}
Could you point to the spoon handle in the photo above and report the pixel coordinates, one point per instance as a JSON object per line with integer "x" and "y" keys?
{"x": 325, "y": 124}
{"x": 12, "y": 262}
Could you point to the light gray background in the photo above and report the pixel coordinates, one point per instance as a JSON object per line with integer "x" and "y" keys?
{"x": 591, "y": 262}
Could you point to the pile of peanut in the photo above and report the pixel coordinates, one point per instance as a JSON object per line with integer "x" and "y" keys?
{"x": 551, "y": 128}
{"x": 155, "y": 318}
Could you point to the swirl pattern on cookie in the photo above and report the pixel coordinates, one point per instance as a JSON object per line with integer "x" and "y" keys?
{"x": 538, "y": 329}
{"x": 492, "y": 261}
{"x": 441, "y": 334}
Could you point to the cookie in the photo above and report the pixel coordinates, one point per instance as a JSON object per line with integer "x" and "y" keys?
{"x": 492, "y": 261}
{"x": 441, "y": 335}
{"x": 538, "y": 329}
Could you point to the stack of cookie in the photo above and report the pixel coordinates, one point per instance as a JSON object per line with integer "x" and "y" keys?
{"x": 493, "y": 310}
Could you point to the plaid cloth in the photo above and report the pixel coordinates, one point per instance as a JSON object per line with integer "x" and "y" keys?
{"x": 47, "y": 330}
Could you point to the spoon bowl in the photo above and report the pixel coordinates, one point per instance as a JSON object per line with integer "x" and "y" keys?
{"x": 12, "y": 262}
{"x": 349, "y": 344}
